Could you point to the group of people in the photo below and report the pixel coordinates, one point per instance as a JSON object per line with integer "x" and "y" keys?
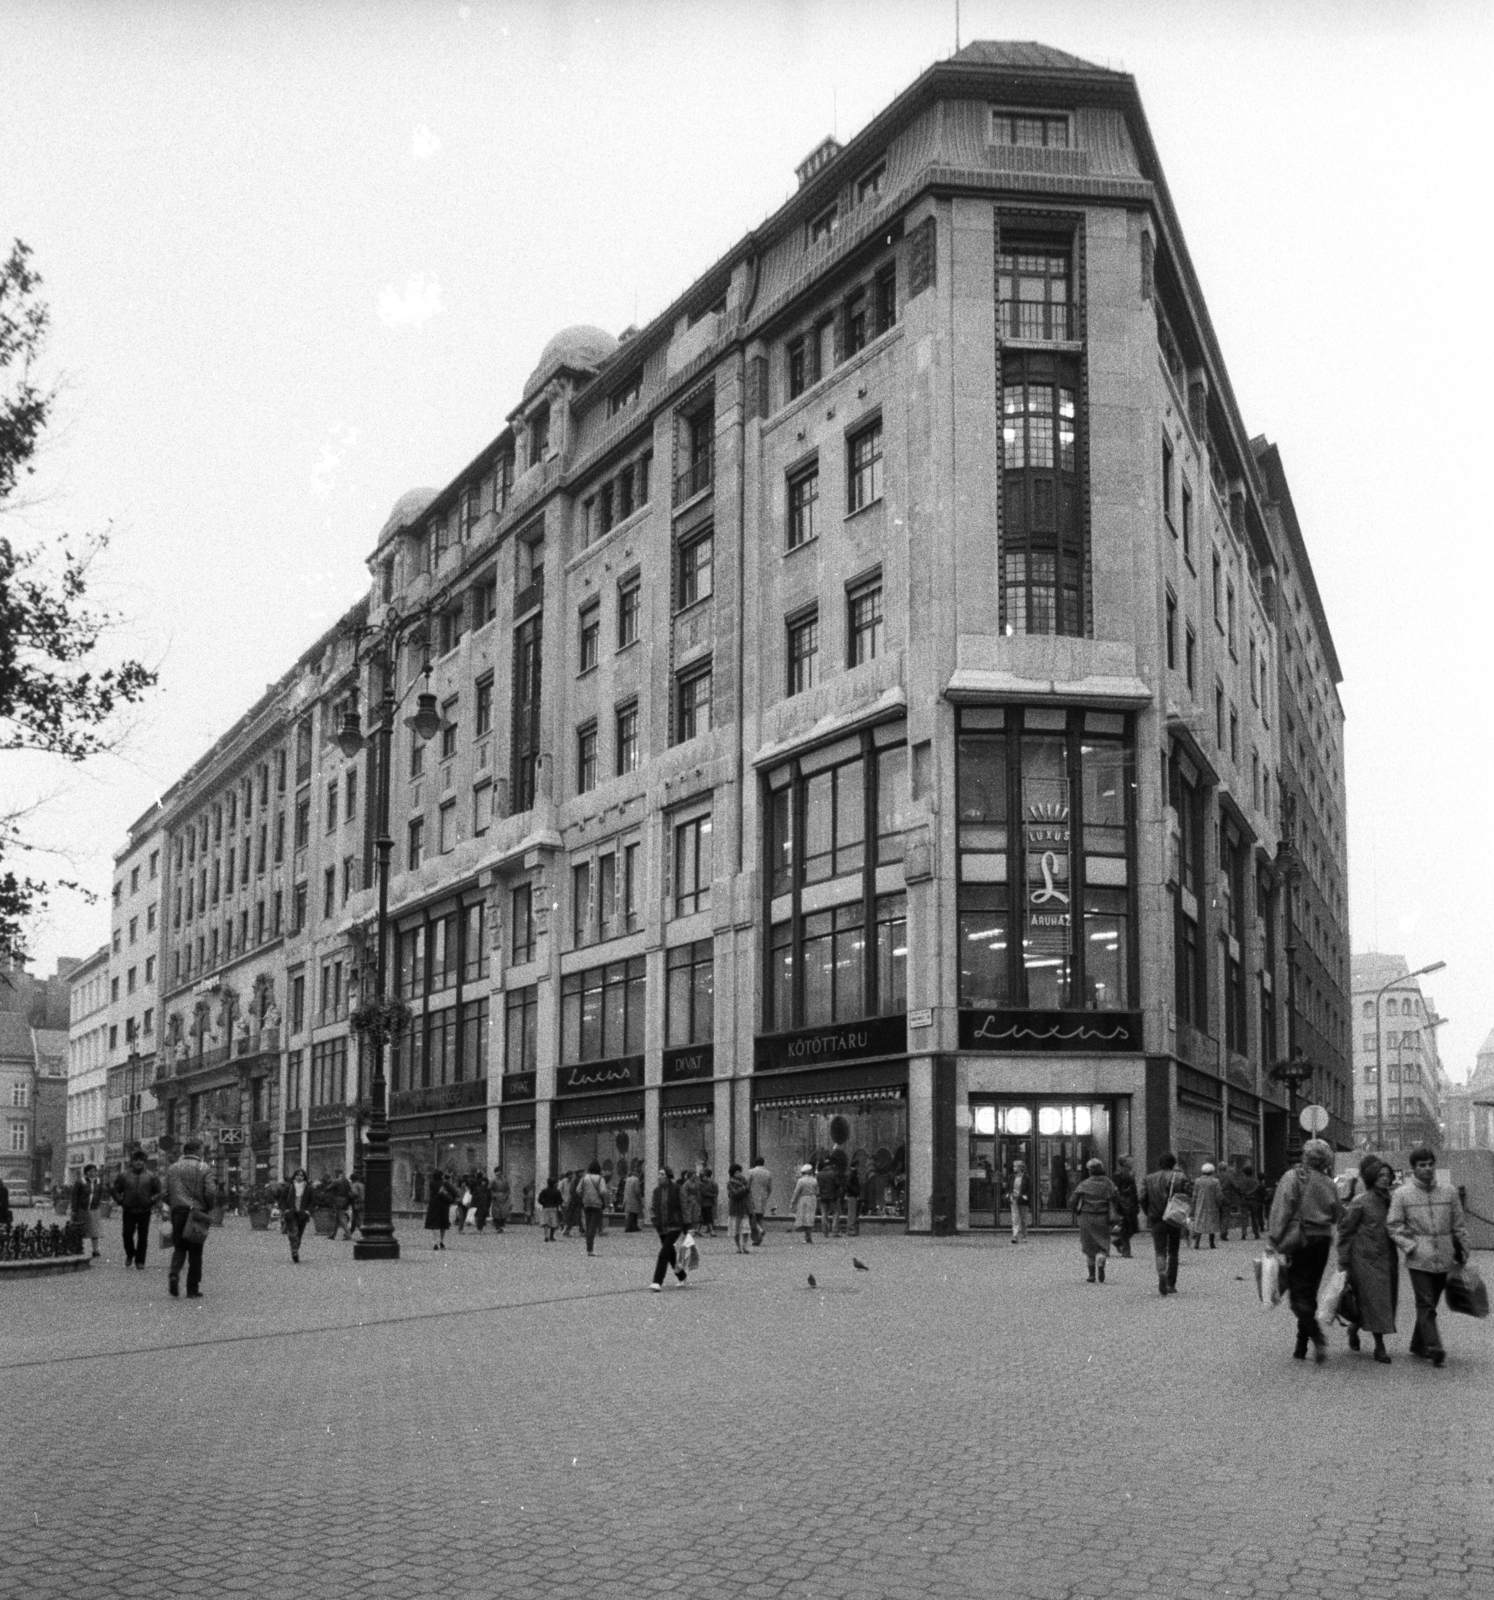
{"x": 187, "y": 1196}
{"x": 1420, "y": 1220}
{"x": 829, "y": 1197}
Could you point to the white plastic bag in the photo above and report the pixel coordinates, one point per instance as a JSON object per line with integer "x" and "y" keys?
{"x": 1330, "y": 1294}
{"x": 688, "y": 1253}
{"x": 1268, "y": 1278}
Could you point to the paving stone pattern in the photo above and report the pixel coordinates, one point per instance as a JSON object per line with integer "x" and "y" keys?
{"x": 511, "y": 1418}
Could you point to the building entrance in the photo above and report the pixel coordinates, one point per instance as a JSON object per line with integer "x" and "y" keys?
{"x": 1053, "y": 1140}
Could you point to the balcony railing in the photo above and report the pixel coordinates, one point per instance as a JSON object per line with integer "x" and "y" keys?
{"x": 695, "y": 478}
{"x": 1044, "y": 320}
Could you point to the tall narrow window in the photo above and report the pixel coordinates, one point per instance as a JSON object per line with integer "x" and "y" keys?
{"x": 627, "y": 738}
{"x": 586, "y": 758}
{"x": 1032, "y": 290}
{"x": 521, "y": 925}
{"x": 692, "y": 703}
{"x": 803, "y": 651}
{"x": 590, "y": 634}
{"x": 692, "y": 865}
{"x": 1172, "y": 631}
{"x": 864, "y": 468}
{"x": 695, "y": 566}
{"x": 629, "y": 606}
{"x": 864, "y": 621}
{"x": 1042, "y": 543}
{"x": 803, "y": 501}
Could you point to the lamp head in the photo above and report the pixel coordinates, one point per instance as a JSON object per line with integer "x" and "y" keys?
{"x": 426, "y": 719}
{"x": 350, "y": 735}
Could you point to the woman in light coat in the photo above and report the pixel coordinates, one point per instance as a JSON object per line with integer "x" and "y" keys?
{"x": 805, "y": 1201}
{"x": 1208, "y": 1206}
{"x": 1367, "y": 1254}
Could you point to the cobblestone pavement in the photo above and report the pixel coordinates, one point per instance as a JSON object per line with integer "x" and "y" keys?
{"x": 511, "y": 1418}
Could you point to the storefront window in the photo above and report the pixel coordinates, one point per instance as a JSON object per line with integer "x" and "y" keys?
{"x": 1039, "y": 765}
{"x": 688, "y": 1138}
{"x": 601, "y": 1012}
{"x": 691, "y": 991}
{"x": 869, "y": 1134}
{"x": 612, "y": 1145}
{"x": 1053, "y": 1139}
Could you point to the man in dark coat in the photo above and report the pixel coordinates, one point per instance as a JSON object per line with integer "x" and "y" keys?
{"x": 1156, "y": 1190}
{"x": 136, "y": 1190}
{"x": 1130, "y": 1204}
{"x": 189, "y": 1188}
{"x": 668, "y": 1217}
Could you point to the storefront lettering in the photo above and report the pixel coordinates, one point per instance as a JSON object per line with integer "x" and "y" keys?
{"x": 826, "y": 1043}
{"x": 601, "y": 1074}
{"x": 1049, "y": 1030}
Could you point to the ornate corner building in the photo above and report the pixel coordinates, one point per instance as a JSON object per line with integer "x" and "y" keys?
{"x": 862, "y": 724}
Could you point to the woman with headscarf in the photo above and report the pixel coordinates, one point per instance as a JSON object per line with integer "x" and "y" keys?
{"x": 805, "y": 1201}
{"x": 1208, "y": 1205}
{"x": 1095, "y": 1201}
{"x": 438, "y": 1208}
{"x": 1367, "y": 1253}
{"x": 1304, "y": 1213}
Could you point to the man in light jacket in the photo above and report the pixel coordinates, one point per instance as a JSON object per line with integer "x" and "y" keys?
{"x": 189, "y": 1188}
{"x": 759, "y": 1187}
{"x": 1426, "y": 1222}
{"x": 136, "y": 1190}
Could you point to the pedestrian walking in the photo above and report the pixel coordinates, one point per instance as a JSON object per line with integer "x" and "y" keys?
{"x": 1208, "y": 1206}
{"x": 738, "y": 1207}
{"x": 1130, "y": 1203}
{"x": 804, "y": 1201}
{"x": 438, "y": 1209}
{"x": 1158, "y": 1188}
{"x": 463, "y": 1204}
{"x": 190, "y": 1197}
{"x": 593, "y": 1203}
{"x": 295, "y": 1210}
{"x": 526, "y": 1201}
{"x": 500, "y": 1197}
{"x": 850, "y": 1193}
{"x": 482, "y": 1198}
{"x": 689, "y": 1187}
{"x": 710, "y": 1192}
{"x": 342, "y": 1204}
{"x": 1252, "y": 1202}
{"x": 358, "y": 1191}
{"x": 759, "y": 1188}
{"x": 1367, "y": 1254}
{"x": 668, "y": 1217}
{"x": 1019, "y": 1195}
{"x": 1095, "y": 1202}
{"x": 136, "y": 1192}
{"x": 1425, "y": 1218}
{"x": 1304, "y": 1213}
{"x": 549, "y": 1201}
{"x": 633, "y": 1198}
{"x": 570, "y": 1187}
{"x": 828, "y": 1179}
{"x": 87, "y": 1192}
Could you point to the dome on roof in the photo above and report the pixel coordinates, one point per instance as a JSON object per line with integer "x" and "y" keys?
{"x": 406, "y": 509}
{"x": 581, "y": 346}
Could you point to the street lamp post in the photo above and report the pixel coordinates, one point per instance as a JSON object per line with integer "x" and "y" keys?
{"x": 1405, "y": 977}
{"x": 379, "y": 1023}
{"x": 1293, "y": 1072}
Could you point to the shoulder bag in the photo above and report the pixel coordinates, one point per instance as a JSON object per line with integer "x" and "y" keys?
{"x": 1291, "y": 1239}
{"x": 195, "y": 1229}
{"x": 1176, "y": 1213}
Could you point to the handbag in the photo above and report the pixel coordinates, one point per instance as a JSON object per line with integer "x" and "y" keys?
{"x": 1268, "y": 1278}
{"x": 195, "y": 1229}
{"x": 1331, "y": 1294}
{"x": 1348, "y": 1306}
{"x": 1466, "y": 1293}
{"x": 1176, "y": 1213}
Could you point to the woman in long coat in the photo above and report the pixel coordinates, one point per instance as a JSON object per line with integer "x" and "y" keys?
{"x": 1094, "y": 1202}
{"x": 295, "y": 1209}
{"x": 1208, "y": 1206}
{"x": 805, "y": 1200}
{"x": 690, "y": 1199}
{"x": 438, "y": 1209}
{"x": 1368, "y": 1254}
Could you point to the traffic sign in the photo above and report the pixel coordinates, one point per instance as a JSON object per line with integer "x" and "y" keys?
{"x": 1314, "y": 1118}
{"x": 236, "y": 1135}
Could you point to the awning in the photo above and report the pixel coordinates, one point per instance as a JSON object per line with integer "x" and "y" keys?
{"x": 603, "y": 1119}
{"x": 850, "y": 1097}
{"x": 690, "y": 1113}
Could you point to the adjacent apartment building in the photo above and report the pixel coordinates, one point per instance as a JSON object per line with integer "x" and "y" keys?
{"x": 859, "y": 718}
{"x": 1398, "y": 1073}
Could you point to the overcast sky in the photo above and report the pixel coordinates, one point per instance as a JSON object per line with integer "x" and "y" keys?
{"x": 302, "y": 257}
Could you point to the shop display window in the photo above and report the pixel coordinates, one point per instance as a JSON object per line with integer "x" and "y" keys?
{"x": 1054, "y": 1139}
{"x": 869, "y": 1134}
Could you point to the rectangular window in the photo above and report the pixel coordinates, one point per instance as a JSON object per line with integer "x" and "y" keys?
{"x": 1027, "y": 128}
{"x": 799, "y": 364}
{"x": 482, "y": 807}
{"x": 864, "y": 621}
{"x": 1167, "y": 480}
{"x": 856, "y": 321}
{"x": 484, "y": 601}
{"x": 692, "y": 865}
{"x": 446, "y": 827}
{"x": 1218, "y": 592}
{"x": 415, "y": 843}
{"x": 1187, "y": 496}
{"x": 590, "y": 634}
{"x": 1172, "y": 631}
{"x": 822, "y": 226}
{"x": 1032, "y": 293}
{"x": 417, "y": 754}
{"x": 630, "y": 886}
{"x": 332, "y": 806}
{"x": 521, "y": 1029}
{"x": 1042, "y": 530}
{"x": 693, "y": 703}
{"x": 449, "y": 728}
{"x": 483, "y": 711}
{"x": 606, "y": 894}
{"x": 521, "y": 925}
{"x": 581, "y": 931}
{"x": 1229, "y": 617}
{"x": 626, "y": 739}
{"x": 871, "y": 184}
{"x": 864, "y": 468}
{"x": 690, "y": 993}
{"x": 803, "y": 499}
{"x": 629, "y": 606}
{"x": 298, "y": 905}
{"x": 803, "y": 651}
{"x": 884, "y": 292}
{"x": 602, "y": 1012}
{"x": 350, "y": 884}
{"x": 694, "y": 570}
{"x": 1190, "y": 657}
{"x": 586, "y": 758}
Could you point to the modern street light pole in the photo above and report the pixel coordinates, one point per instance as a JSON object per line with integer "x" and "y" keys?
{"x": 380, "y": 1023}
{"x": 1405, "y": 977}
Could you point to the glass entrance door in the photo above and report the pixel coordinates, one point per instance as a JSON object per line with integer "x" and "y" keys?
{"x": 1054, "y": 1140}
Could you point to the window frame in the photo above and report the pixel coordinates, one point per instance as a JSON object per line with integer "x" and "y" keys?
{"x": 865, "y": 476}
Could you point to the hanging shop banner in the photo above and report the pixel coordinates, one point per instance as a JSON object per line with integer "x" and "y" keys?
{"x": 1048, "y": 884}
{"x": 588, "y": 1077}
{"x": 689, "y": 1061}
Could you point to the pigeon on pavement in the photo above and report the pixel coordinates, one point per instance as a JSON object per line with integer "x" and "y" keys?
{"x": 859, "y": 1265}
{"x": 812, "y": 1283}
